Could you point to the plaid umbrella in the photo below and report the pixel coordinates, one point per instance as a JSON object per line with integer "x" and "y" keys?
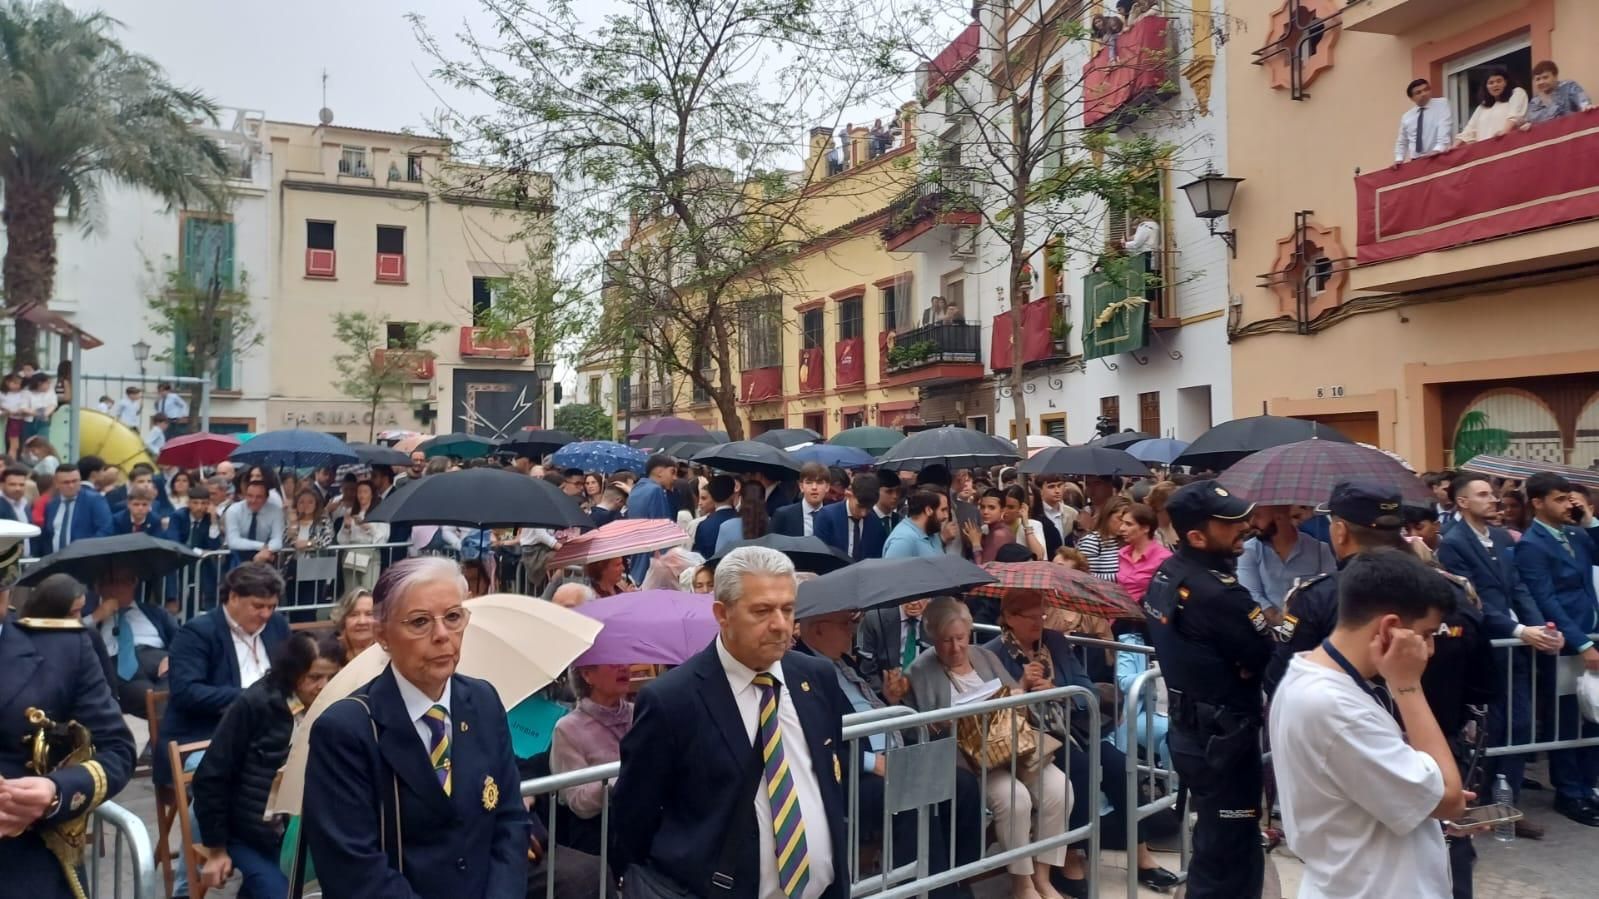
{"x": 1521, "y": 469}
{"x": 613, "y": 540}
{"x": 1303, "y": 473}
{"x": 1059, "y": 587}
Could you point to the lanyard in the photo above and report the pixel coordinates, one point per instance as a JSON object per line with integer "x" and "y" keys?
{"x": 1377, "y": 693}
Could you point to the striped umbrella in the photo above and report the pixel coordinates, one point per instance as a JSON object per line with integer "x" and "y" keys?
{"x": 1059, "y": 587}
{"x": 1303, "y": 473}
{"x": 1521, "y": 469}
{"x": 627, "y": 537}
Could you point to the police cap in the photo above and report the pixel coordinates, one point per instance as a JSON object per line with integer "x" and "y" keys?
{"x": 1196, "y": 503}
{"x": 1367, "y": 504}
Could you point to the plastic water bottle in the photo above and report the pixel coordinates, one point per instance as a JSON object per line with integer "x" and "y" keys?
{"x": 1504, "y": 832}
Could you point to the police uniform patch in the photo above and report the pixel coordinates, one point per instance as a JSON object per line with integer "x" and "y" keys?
{"x": 1258, "y": 619}
{"x": 1285, "y": 631}
{"x": 491, "y": 793}
{"x": 1182, "y": 593}
{"x": 1225, "y": 578}
{"x": 78, "y": 799}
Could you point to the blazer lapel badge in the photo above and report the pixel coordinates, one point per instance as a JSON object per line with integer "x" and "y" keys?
{"x": 491, "y": 793}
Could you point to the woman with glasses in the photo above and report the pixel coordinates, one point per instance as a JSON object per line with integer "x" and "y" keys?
{"x": 411, "y": 786}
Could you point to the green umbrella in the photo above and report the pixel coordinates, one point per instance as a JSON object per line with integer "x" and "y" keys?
{"x": 874, "y": 440}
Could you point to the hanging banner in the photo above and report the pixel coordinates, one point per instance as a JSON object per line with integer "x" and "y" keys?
{"x": 811, "y": 373}
{"x": 849, "y": 363}
{"x": 1115, "y": 313}
{"x": 759, "y": 384}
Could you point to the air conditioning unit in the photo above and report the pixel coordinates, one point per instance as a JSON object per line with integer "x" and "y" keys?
{"x": 963, "y": 244}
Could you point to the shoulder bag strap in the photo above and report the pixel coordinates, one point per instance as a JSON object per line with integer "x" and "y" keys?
{"x": 743, "y": 823}
{"x": 383, "y": 817}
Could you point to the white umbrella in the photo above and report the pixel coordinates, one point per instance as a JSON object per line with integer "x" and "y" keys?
{"x": 517, "y": 643}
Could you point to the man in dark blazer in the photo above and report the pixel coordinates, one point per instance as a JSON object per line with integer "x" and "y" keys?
{"x": 850, "y": 526}
{"x": 694, "y": 772}
{"x": 52, "y": 665}
{"x": 791, "y": 520}
{"x": 778, "y": 493}
{"x": 1556, "y": 560}
{"x": 73, "y": 513}
{"x": 721, "y": 489}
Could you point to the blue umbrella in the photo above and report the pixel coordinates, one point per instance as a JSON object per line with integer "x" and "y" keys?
{"x": 605, "y": 456}
{"x": 833, "y": 455}
{"x": 295, "y": 448}
{"x": 1160, "y": 450}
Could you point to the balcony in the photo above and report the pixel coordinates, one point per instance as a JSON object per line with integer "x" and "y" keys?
{"x": 1394, "y": 16}
{"x": 952, "y": 62}
{"x": 417, "y": 364}
{"x": 937, "y": 215}
{"x": 1523, "y": 205}
{"x": 638, "y": 398}
{"x": 1039, "y": 340}
{"x": 476, "y": 343}
{"x": 934, "y": 354}
{"x": 1143, "y": 68}
{"x": 757, "y": 385}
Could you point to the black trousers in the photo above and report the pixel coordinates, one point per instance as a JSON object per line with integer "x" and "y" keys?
{"x": 1112, "y": 782}
{"x": 131, "y": 692}
{"x": 1228, "y": 862}
{"x": 1462, "y": 856}
{"x": 577, "y": 875}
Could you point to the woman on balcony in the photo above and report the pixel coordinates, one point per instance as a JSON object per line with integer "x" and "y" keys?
{"x": 1502, "y": 107}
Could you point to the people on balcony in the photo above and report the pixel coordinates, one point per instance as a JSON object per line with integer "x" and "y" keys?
{"x": 1427, "y": 127}
{"x": 934, "y": 313}
{"x": 1551, "y": 97}
{"x": 1501, "y": 108}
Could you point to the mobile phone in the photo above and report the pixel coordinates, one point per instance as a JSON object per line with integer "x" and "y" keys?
{"x": 1487, "y": 815}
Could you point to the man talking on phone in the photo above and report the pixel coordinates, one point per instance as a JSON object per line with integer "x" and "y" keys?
{"x": 1357, "y": 786}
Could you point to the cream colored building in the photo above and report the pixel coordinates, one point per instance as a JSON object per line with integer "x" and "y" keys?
{"x": 383, "y": 223}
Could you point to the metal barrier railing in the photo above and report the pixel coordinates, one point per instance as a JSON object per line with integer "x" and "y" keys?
{"x": 1140, "y": 704}
{"x": 306, "y": 589}
{"x": 1542, "y": 677}
{"x": 128, "y": 832}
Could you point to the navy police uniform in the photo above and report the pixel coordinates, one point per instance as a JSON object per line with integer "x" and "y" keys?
{"x": 52, "y": 665}
{"x": 1213, "y": 642}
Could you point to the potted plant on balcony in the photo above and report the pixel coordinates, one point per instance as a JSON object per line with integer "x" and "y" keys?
{"x": 1060, "y": 332}
{"x": 910, "y": 355}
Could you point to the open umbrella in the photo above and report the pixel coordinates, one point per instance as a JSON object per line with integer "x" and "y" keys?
{"x": 519, "y": 645}
{"x": 460, "y": 446}
{"x": 882, "y": 582}
{"x": 667, "y": 425}
{"x": 1059, "y": 587}
{"x": 1303, "y": 473}
{"x": 604, "y": 456}
{"x": 483, "y": 498}
{"x": 615, "y": 539}
{"x": 1083, "y": 460}
{"x": 788, "y": 438}
{"x": 197, "y": 450}
{"x": 951, "y": 446}
{"x": 1122, "y": 440}
{"x": 1231, "y": 441}
{"x": 807, "y": 553}
{"x": 294, "y": 448}
{"x": 410, "y": 442}
{"x": 378, "y": 454}
{"x": 1158, "y": 451}
{"x": 682, "y": 447}
{"x": 535, "y": 444}
{"x": 649, "y": 627}
{"x": 871, "y": 438}
{"x": 1521, "y": 469}
{"x": 749, "y": 457}
{"x": 87, "y": 560}
{"x": 836, "y": 456}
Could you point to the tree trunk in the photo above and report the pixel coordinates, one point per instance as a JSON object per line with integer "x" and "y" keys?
{"x": 30, "y": 260}
{"x": 726, "y": 394}
{"x": 1013, "y": 296}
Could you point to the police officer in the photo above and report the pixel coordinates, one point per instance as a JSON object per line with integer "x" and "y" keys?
{"x": 52, "y": 665}
{"x": 1212, "y": 641}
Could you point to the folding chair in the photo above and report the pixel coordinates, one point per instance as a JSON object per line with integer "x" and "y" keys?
{"x": 166, "y": 810}
{"x": 194, "y": 859}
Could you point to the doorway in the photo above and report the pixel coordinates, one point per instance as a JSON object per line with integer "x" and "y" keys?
{"x": 1361, "y": 427}
{"x": 817, "y": 421}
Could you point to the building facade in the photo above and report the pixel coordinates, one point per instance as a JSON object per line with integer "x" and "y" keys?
{"x": 1442, "y": 307}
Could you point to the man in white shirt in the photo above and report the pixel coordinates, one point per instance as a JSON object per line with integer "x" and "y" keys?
{"x": 172, "y": 404}
{"x": 156, "y": 436}
{"x": 254, "y": 527}
{"x": 130, "y": 408}
{"x": 1357, "y": 790}
{"x": 1426, "y": 128}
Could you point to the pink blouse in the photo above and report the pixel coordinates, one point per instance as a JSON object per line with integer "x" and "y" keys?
{"x": 1135, "y": 574}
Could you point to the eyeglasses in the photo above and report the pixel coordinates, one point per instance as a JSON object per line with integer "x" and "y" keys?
{"x": 420, "y": 625}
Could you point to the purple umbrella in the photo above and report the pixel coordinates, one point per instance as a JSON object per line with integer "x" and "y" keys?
{"x": 667, "y": 426}
{"x": 649, "y": 627}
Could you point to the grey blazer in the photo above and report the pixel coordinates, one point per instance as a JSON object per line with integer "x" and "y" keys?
{"x": 930, "y": 687}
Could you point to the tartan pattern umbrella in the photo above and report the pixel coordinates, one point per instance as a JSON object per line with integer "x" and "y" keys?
{"x": 1230, "y": 442}
{"x": 1303, "y": 473}
{"x": 616, "y": 539}
{"x": 1521, "y": 469}
{"x": 1059, "y": 587}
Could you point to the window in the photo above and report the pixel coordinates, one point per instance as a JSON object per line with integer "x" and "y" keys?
{"x": 320, "y": 258}
{"x": 854, "y": 420}
{"x": 761, "y": 333}
{"x": 1054, "y": 136}
{"x": 702, "y": 364}
{"x": 1053, "y": 425}
{"x": 1054, "y": 278}
{"x": 1110, "y": 413}
{"x": 1464, "y": 75}
{"x": 978, "y": 423}
{"x": 391, "y": 253}
{"x": 1149, "y": 412}
{"x": 402, "y": 335}
{"x": 897, "y": 304}
{"x": 849, "y": 318}
{"x": 484, "y": 292}
{"x": 811, "y": 328}
{"x": 353, "y": 162}
{"x": 413, "y": 167}
{"x": 1319, "y": 274}
{"x": 594, "y": 391}
{"x": 954, "y": 300}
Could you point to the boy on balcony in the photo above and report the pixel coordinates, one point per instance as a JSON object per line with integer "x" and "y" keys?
{"x": 1553, "y": 98}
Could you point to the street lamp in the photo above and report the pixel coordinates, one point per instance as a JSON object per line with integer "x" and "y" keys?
{"x": 1212, "y": 197}
{"x": 141, "y": 354}
{"x": 543, "y": 371}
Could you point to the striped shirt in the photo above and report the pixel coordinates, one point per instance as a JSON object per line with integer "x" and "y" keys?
{"x": 1102, "y": 553}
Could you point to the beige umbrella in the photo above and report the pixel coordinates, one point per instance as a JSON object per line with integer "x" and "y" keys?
{"x": 409, "y": 444}
{"x": 517, "y": 643}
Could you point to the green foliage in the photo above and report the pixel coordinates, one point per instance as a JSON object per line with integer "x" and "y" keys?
{"x": 585, "y": 421}
{"x": 371, "y": 376}
{"x": 556, "y": 310}
{"x": 906, "y": 354}
{"x": 210, "y": 318}
{"x": 1476, "y": 438}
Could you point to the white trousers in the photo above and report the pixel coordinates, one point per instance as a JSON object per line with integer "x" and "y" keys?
{"x": 1013, "y": 801}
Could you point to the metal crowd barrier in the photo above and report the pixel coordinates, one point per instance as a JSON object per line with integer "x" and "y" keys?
{"x": 130, "y": 837}
{"x": 911, "y": 784}
{"x": 1139, "y": 704}
{"x": 1544, "y": 713}
{"x": 314, "y": 579}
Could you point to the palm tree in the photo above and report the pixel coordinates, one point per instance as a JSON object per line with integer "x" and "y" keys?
{"x": 76, "y": 108}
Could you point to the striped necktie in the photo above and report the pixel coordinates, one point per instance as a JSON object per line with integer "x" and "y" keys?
{"x": 438, "y": 724}
{"x": 788, "y": 827}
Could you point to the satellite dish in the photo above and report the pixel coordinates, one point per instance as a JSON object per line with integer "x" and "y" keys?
{"x": 325, "y": 116}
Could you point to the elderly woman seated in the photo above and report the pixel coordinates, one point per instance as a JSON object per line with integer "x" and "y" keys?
{"x": 953, "y": 668}
{"x": 354, "y": 626}
{"x": 1042, "y": 659}
{"x": 592, "y": 733}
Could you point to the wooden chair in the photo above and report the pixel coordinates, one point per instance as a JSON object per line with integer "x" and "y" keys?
{"x": 181, "y": 779}
{"x": 166, "y": 808}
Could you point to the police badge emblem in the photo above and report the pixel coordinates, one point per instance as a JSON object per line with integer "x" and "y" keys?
{"x": 491, "y": 794}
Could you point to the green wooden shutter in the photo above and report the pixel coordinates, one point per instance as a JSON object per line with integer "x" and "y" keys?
{"x": 202, "y": 239}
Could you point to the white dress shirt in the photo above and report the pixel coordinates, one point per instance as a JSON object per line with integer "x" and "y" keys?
{"x": 127, "y": 411}
{"x": 809, "y": 513}
{"x": 417, "y": 704}
{"x": 1145, "y": 239}
{"x": 268, "y": 527}
{"x": 144, "y": 632}
{"x": 154, "y": 439}
{"x": 249, "y": 650}
{"x": 20, "y": 507}
{"x": 172, "y": 406}
{"x": 818, "y": 836}
{"x": 1437, "y": 129}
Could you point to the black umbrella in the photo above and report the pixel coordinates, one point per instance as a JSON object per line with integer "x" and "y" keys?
{"x": 483, "y": 498}
{"x": 461, "y": 446}
{"x": 686, "y": 447}
{"x": 536, "y": 444}
{"x": 89, "y": 559}
{"x": 951, "y": 446}
{"x": 375, "y": 454}
{"x": 807, "y": 553}
{"x": 885, "y": 582}
{"x": 1121, "y": 441}
{"x": 784, "y": 438}
{"x": 1084, "y": 461}
{"x": 749, "y": 457}
{"x": 1230, "y": 441}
